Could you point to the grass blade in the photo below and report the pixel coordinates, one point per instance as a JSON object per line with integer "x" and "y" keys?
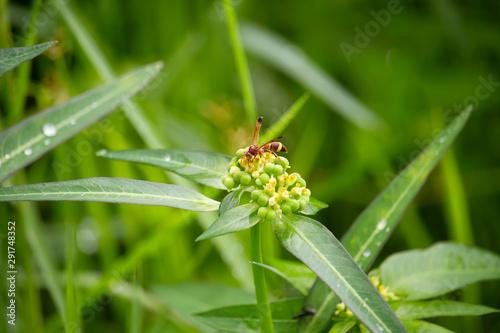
{"x": 12, "y": 57}
{"x": 117, "y": 190}
{"x": 236, "y": 219}
{"x": 204, "y": 168}
{"x": 241, "y": 62}
{"x": 279, "y": 126}
{"x": 372, "y": 228}
{"x": 431, "y": 309}
{"x": 316, "y": 246}
{"x": 292, "y": 61}
{"x": 24, "y": 142}
{"x": 444, "y": 267}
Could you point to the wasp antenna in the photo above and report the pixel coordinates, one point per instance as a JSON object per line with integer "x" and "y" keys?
{"x": 257, "y": 129}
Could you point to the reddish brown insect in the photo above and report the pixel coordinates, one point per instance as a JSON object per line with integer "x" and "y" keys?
{"x": 270, "y": 146}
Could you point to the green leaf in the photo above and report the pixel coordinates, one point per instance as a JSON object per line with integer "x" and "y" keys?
{"x": 373, "y": 227}
{"x": 343, "y": 326}
{"x": 118, "y": 190}
{"x": 13, "y": 57}
{"x": 313, "y": 206}
{"x": 444, "y": 267}
{"x": 201, "y": 167}
{"x": 230, "y": 201}
{"x": 236, "y": 219}
{"x": 437, "y": 308}
{"x": 418, "y": 326}
{"x": 246, "y": 318}
{"x": 279, "y": 126}
{"x": 291, "y": 60}
{"x": 190, "y": 298}
{"x": 297, "y": 274}
{"x": 316, "y": 246}
{"x": 24, "y": 142}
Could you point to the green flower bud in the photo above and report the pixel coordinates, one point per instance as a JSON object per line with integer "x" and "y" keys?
{"x": 262, "y": 212}
{"x": 295, "y": 205}
{"x": 245, "y": 179}
{"x": 237, "y": 176}
{"x": 271, "y": 214}
{"x": 283, "y": 162}
{"x": 240, "y": 153}
{"x": 301, "y": 181}
{"x": 286, "y": 208}
{"x": 255, "y": 195}
{"x": 279, "y": 212}
{"x": 258, "y": 182}
{"x": 228, "y": 182}
{"x": 291, "y": 179}
{"x": 269, "y": 168}
{"x": 264, "y": 178}
{"x": 277, "y": 170}
{"x": 303, "y": 204}
{"x": 263, "y": 200}
{"x": 306, "y": 192}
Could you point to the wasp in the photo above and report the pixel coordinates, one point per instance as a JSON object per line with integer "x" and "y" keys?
{"x": 271, "y": 146}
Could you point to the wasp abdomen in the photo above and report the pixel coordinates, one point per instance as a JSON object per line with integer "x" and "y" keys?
{"x": 277, "y": 147}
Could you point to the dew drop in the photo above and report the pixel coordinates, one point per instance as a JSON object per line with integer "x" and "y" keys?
{"x": 167, "y": 158}
{"x": 387, "y": 229}
{"x": 367, "y": 253}
{"x": 28, "y": 151}
{"x": 46, "y": 142}
{"x": 7, "y": 156}
{"x": 380, "y": 328}
{"x": 441, "y": 140}
{"x": 81, "y": 194}
{"x": 382, "y": 224}
{"x": 72, "y": 121}
{"x": 101, "y": 152}
{"x": 94, "y": 105}
{"x": 49, "y": 130}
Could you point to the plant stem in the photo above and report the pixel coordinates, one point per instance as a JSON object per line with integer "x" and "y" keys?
{"x": 260, "y": 280}
{"x": 241, "y": 62}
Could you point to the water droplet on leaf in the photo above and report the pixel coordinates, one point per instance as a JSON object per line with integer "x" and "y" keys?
{"x": 49, "y": 130}
{"x": 28, "y": 151}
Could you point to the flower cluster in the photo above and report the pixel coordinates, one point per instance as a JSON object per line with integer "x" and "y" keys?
{"x": 342, "y": 310}
{"x": 277, "y": 192}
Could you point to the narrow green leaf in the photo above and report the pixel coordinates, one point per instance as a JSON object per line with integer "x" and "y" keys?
{"x": 236, "y": 219}
{"x": 343, "y": 326}
{"x": 444, "y": 267}
{"x": 230, "y": 201}
{"x": 201, "y": 167}
{"x": 419, "y": 326}
{"x": 373, "y": 227}
{"x": 13, "y": 57}
{"x": 279, "y": 126}
{"x": 246, "y": 318}
{"x": 314, "y": 206}
{"x": 437, "y": 308}
{"x": 118, "y": 190}
{"x": 190, "y": 298}
{"x": 291, "y": 60}
{"x": 316, "y": 246}
{"x": 24, "y": 142}
{"x": 297, "y": 278}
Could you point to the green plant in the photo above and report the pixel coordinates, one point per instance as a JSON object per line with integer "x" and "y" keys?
{"x": 261, "y": 190}
{"x": 394, "y": 292}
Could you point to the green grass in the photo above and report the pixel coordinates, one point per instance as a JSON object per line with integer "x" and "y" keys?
{"x": 205, "y": 100}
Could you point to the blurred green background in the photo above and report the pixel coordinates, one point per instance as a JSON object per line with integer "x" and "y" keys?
{"x": 414, "y": 71}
